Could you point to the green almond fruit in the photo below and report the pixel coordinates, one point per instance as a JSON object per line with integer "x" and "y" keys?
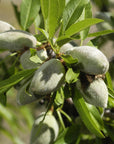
{"x": 4, "y": 26}
{"x": 91, "y": 60}
{"x": 66, "y": 47}
{"x": 26, "y": 61}
{"x": 96, "y": 93}
{"x": 15, "y": 40}
{"x": 48, "y": 78}
{"x": 44, "y": 131}
{"x": 42, "y": 54}
{"x": 24, "y": 97}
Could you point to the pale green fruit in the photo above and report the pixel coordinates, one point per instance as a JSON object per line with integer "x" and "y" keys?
{"x": 48, "y": 78}
{"x": 15, "y": 40}
{"x": 27, "y": 63}
{"x": 44, "y": 132}
{"x": 24, "y": 97}
{"x": 96, "y": 93}
{"x": 91, "y": 60}
{"x": 42, "y": 54}
{"x": 4, "y": 26}
{"x": 66, "y": 47}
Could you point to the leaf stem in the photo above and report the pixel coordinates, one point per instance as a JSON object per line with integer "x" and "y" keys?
{"x": 66, "y": 115}
{"x": 60, "y": 118}
{"x": 81, "y": 42}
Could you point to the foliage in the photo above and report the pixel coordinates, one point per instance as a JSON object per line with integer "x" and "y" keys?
{"x": 58, "y": 22}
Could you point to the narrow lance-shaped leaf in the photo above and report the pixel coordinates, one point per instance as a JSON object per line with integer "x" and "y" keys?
{"x": 45, "y": 9}
{"x": 72, "y": 12}
{"x": 3, "y": 99}
{"x": 94, "y": 111}
{"x": 85, "y": 114}
{"x": 79, "y": 26}
{"x": 53, "y": 16}
{"x": 61, "y": 7}
{"x": 68, "y": 12}
{"x": 29, "y": 11}
{"x": 87, "y": 13}
{"x": 65, "y": 136}
{"x": 100, "y": 33}
{"x": 109, "y": 81}
{"x": 15, "y": 78}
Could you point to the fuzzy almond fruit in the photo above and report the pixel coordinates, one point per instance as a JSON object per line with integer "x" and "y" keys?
{"x": 24, "y": 97}
{"x": 66, "y": 47}
{"x": 96, "y": 93}
{"x": 91, "y": 60}
{"x": 44, "y": 131}
{"x": 4, "y": 26}
{"x": 15, "y": 40}
{"x": 48, "y": 78}
{"x": 27, "y": 63}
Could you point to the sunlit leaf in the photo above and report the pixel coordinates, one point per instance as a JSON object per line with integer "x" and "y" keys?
{"x": 81, "y": 25}
{"x": 87, "y": 13}
{"x": 72, "y": 12}
{"x": 16, "y": 78}
{"x": 29, "y": 11}
{"x": 71, "y": 76}
{"x": 100, "y": 33}
{"x": 85, "y": 114}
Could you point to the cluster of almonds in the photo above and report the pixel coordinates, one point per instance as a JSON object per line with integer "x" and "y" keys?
{"x": 93, "y": 64}
{"x": 50, "y": 76}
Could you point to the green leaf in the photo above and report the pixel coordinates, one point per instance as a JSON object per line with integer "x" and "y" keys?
{"x": 59, "y": 98}
{"x": 3, "y": 98}
{"x": 111, "y": 92}
{"x": 55, "y": 11}
{"x": 79, "y": 26}
{"x": 69, "y": 135}
{"x": 69, "y": 59}
{"x": 62, "y": 40}
{"x": 11, "y": 81}
{"x": 53, "y": 17}
{"x": 41, "y": 38}
{"x": 61, "y": 7}
{"x": 71, "y": 76}
{"x": 72, "y": 12}
{"x": 29, "y": 11}
{"x": 67, "y": 91}
{"x": 65, "y": 39}
{"x": 45, "y": 9}
{"x": 87, "y": 13}
{"x": 36, "y": 59}
{"x": 109, "y": 81}
{"x": 44, "y": 32}
{"x": 110, "y": 131}
{"x": 94, "y": 111}
{"x": 100, "y": 33}
{"x": 111, "y": 102}
{"x": 85, "y": 114}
